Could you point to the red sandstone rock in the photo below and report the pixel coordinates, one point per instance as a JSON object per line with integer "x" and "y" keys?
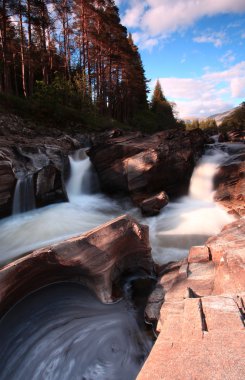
{"x": 198, "y": 254}
{"x": 142, "y": 166}
{"x": 201, "y": 322}
{"x": 230, "y": 184}
{"x": 96, "y": 259}
{"x": 153, "y": 205}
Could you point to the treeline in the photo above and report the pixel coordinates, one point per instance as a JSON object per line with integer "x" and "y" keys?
{"x": 235, "y": 120}
{"x": 209, "y": 125}
{"x": 72, "y": 51}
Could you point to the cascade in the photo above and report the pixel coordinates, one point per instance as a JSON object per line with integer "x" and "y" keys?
{"x": 192, "y": 219}
{"x": 201, "y": 185}
{"x": 82, "y": 179}
{"x": 24, "y": 197}
{"x": 62, "y": 331}
{"x": 187, "y": 221}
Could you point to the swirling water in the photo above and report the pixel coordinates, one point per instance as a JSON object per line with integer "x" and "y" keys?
{"x": 62, "y": 332}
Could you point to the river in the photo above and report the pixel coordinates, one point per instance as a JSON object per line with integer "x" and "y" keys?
{"x": 62, "y": 331}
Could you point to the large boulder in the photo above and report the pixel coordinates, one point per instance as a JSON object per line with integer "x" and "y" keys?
{"x": 96, "y": 259}
{"x": 199, "y": 304}
{"x": 142, "y": 166}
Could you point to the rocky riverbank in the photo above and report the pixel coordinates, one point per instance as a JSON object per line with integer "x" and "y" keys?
{"x": 198, "y": 303}
{"x": 128, "y": 163}
{"x": 201, "y": 321}
{"x": 27, "y": 150}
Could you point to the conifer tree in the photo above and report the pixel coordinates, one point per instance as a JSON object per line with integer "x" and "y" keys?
{"x": 162, "y": 109}
{"x": 79, "y": 45}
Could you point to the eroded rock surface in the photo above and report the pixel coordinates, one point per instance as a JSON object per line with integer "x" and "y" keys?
{"x": 201, "y": 322}
{"x": 143, "y": 166}
{"x": 229, "y": 183}
{"x": 25, "y": 150}
{"x": 96, "y": 259}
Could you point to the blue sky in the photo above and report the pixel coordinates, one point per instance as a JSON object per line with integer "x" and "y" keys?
{"x": 196, "y": 48}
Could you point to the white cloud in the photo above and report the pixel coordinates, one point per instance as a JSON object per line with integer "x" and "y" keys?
{"x": 243, "y": 35}
{"x": 144, "y": 41}
{"x": 217, "y": 39}
{"x": 134, "y": 14}
{"x": 238, "y": 87}
{"x": 227, "y": 58}
{"x": 206, "y": 95}
{"x": 162, "y": 17}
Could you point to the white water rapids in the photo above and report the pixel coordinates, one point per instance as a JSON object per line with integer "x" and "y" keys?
{"x": 188, "y": 221}
{"x": 62, "y": 332}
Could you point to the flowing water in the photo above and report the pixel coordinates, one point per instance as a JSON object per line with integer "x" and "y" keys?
{"x": 63, "y": 331}
{"x": 24, "y": 197}
{"x": 188, "y": 221}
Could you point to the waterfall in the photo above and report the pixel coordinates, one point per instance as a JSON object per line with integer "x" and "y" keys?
{"x": 192, "y": 219}
{"x": 82, "y": 178}
{"x": 24, "y": 197}
{"x": 201, "y": 185}
{"x": 187, "y": 221}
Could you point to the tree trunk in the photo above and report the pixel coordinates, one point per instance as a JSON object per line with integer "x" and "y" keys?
{"x": 22, "y": 54}
{"x": 30, "y": 69}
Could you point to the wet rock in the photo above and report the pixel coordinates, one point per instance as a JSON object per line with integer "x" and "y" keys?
{"x": 50, "y": 187}
{"x": 229, "y": 184}
{"x": 223, "y": 137}
{"x": 96, "y": 259}
{"x": 203, "y": 312}
{"x": 28, "y": 150}
{"x": 152, "y": 206}
{"x": 142, "y": 166}
{"x": 7, "y": 185}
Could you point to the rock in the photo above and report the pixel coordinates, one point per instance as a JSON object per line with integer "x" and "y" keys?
{"x": 229, "y": 183}
{"x": 49, "y": 185}
{"x": 96, "y": 259}
{"x": 142, "y": 166}
{"x": 198, "y": 254}
{"x": 223, "y": 137}
{"x": 153, "y": 205}
{"x": 42, "y": 153}
{"x": 7, "y": 185}
{"x": 201, "y": 321}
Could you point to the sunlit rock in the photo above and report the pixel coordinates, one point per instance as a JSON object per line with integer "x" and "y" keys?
{"x": 202, "y": 312}
{"x": 143, "y": 166}
{"x": 96, "y": 259}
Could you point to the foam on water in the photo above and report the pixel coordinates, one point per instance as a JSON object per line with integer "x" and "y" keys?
{"x": 188, "y": 221}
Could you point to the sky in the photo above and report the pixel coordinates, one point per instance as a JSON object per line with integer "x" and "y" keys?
{"x": 196, "y": 48}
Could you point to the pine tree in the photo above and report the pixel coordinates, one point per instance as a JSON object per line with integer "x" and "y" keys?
{"x": 162, "y": 109}
{"x": 79, "y": 46}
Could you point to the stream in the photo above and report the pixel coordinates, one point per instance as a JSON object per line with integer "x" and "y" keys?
{"x": 188, "y": 221}
{"x": 62, "y": 331}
